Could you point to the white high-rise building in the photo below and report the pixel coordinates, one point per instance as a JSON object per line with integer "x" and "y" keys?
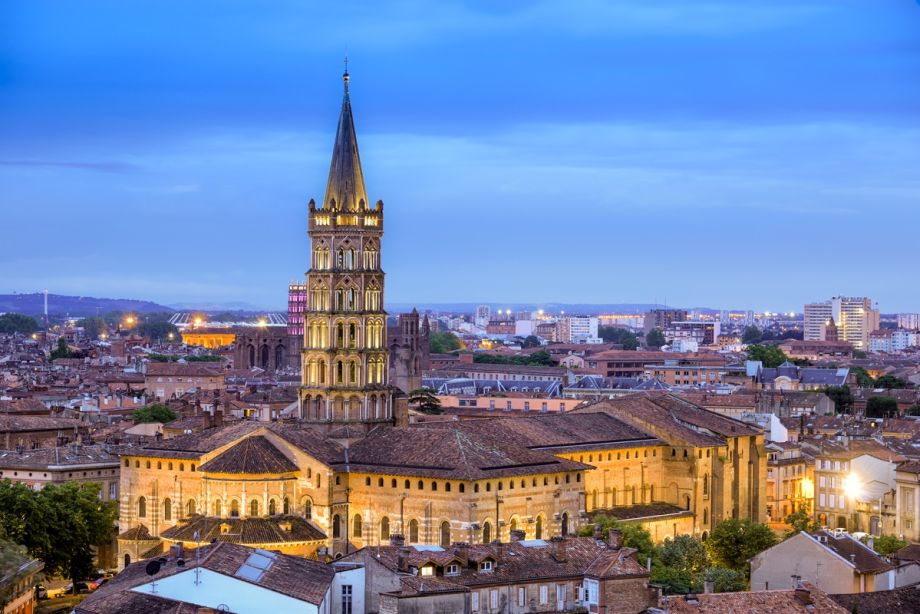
{"x": 910, "y": 321}
{"x": 577, "y": 329}
{"x": 854, "y": 317}
{"x": 483, "y": 315}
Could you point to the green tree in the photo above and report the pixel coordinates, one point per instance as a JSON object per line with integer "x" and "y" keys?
{"x": 634, "y": 535}
{"x": 426, "y": 401}
{"x": 60, "y": 524}
{"x": 859, "y": 354}
{"x": 842, "y": 398}
{"x": 881, "y": 407}
{"x": 685, "y": 554}
{"x": 655, "y": 338}
{"x": 531, "y": 341}
{"x": 157, "y": 330}
{"x": 443, "y": 342}
{"x": 751, "y": 335}
{"x": 769, "y": 355}
{"x": 157, "y": 412}
{"x": 725, "y": 580}
{"x": 801, "y": 520}
{"x": 886, "y": 545}
{"x": 672, "y": 581}
{"x": 863, "y": 379}
{"x": 93, "y": 327}
{"x": 61, "y": 351}
{"x": 541, "y": 358}
{"x": 622, "y": 336}
{"x": 732, "y": 543}
{"x": 17, "y": 323}
{"x": 913, "y": 410}
{"x": 889, "y": 382}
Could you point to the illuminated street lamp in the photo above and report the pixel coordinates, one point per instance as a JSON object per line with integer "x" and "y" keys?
{"x": 170, "y": 336}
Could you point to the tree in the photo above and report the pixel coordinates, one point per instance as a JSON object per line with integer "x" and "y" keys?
{"x": 61, "y": 351}
{"x": 158, "y": 330}
{"x": 889, "y": 382}
{"x": 531, "y": 341}
{"x": 913, "y": 410}
{"x": 732, "y": 543}
{"x": 426, "y": 401}
{"x": 655, "y": 338}
{"x": 634, "y": 535}
{"x": 769, "y": 355}
{"x": 886, "y": 545}
{"x": 881, "y": 407}
{"x": 622, "y": 336}
{"x": 17, "y": 323}
{"x": 60, "y": 524}
{"x": 801, "y": 520}
{"x": 751, "y": 335}
{"x": 842, "y": 398}
{"x": 863, "y": 379}
{"x": 443, "y": 342}
{"x": 684, "y": 553}
{"x": 859, "y": 354}
{"x": 725, "y": 580}
{"x": 157, "y": 412}
{"x": 671, "y": 581}
{"x": 540, "y": 358}
{"x": 93, "y": 327}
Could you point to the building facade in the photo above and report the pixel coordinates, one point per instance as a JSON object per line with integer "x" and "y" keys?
{"x": 854, "y": 319}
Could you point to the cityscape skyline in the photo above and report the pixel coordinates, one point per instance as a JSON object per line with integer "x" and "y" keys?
{"x": 780, "y": 141}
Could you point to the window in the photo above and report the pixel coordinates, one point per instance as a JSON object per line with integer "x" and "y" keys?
{"x": 474, "y": 601}
{"x": 452, "y": 570}
{"x": 254, "y": 507}
{"x": 190, "y": 507}
{"x": 485, "y": 566}
{"x": 308, "y": 509}
{"x": 272, "y": 508}
{"x": 234, "y": 509}
{"x": 142, "y": 507}
{"x": 413, "y": 531}
{"x": 346, "y": 599}
{"x": 384, "y": 529}
{"x": 217, "y": 508}
{"x": 493, "y": 599}
{"x": 486, "y": 532}
{"x": 356, "y": 528}
{"x": 167, "y": 509}
{"x": 427, "y": 570}
{"x": 522, "y": 596}
{"x": 591, "y": 591}
{"x": 544, "y": 595}
{"x": 113, "y": 490}
{"x": 336, "y": 528}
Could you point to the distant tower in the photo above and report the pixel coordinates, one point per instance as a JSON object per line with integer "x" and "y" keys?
{"x": 830, "y": 331}
{"x": 344, "y": 360}
{"x": 46, "y": 305}
{"x": 409, "y": 351}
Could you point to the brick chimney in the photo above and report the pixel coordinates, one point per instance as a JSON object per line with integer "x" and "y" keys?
{"x": 803, "y": 595}
{"x": 462, "y": 551}
{"x": 498, "y": 549}
{"x": 615, "y": 538}
{"x": 518, "y": 535}
{"x": 557, "y": 544}
{"x": 402, "y": 560}
{"x": 397, "y": 540}
{"x": 177, "y": 551}
{"x": 598, "y": 532}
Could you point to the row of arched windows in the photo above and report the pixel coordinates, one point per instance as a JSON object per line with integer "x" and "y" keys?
{"x": 345, "y": 258}
{"x": 169, "y": 465}
{"x": 444, "y": 530}
{"x": 347, "y": 334}
{"x": 274, "y": 507}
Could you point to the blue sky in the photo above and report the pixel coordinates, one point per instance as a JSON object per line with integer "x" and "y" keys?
{"x": 716, "y": 153}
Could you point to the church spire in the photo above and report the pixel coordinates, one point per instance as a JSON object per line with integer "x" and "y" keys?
{"x": 346, "y": 180}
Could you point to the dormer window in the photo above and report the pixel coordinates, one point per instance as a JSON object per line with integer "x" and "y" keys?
{"x": 486, "y": 566}
{"x": 452, "y": 570}
{"x": 427, "y": 570}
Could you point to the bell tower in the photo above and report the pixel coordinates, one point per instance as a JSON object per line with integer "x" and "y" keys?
{"x": 344, "y": 358}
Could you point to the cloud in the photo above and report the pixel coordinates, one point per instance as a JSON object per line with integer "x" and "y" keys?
{"x": 102, "y": 167}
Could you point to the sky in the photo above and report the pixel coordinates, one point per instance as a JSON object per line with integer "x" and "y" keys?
{"x": 709, "y": 153}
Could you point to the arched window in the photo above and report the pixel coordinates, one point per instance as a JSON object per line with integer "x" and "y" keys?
{"x": 254, "y": 507}
{"x": 486, "y": 532}
{"x": 413, "y": 531}
{"x": 538, "y": 531}
{"x": 356, "y": 526}
{"x": 706, "y": 485}
{"x": 514, "y": 523}
{"x": 217, "y": 508}
{"x": 286, "y": 506}
{"x": 352, "y": 335}
{"x": 565, "y": 524}
{"x": 340, "y": 258}
{"x": 234, "y": 509}
{"x": 272, "y": 508}
{"x": 336, "y": 528}
{"x": 190, "y": 507}
{"x": 351, "y": 258}
{"x": 687, "y": 502}
{"x": 445, "y": 533}
{"x": 308, "y": 509}
{"x": 167, "y": 509}
{"x": 142, "y": 507}
{"x": 352, "y": 372}
{"x": 340, "y": 335}
{"x": 384, "y": 529}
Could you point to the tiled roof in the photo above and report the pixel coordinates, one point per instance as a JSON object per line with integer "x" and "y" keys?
{"x": 859, "y": 555}
{"x": 19, "y": 423}
{"x": 60, "y": 456}
{"x": 249, "y": 531}
{"x": 178, "y": 369}
{"x": 754, "y": 602}
{"x": 897, "y": 601}
{"x": 255, "y": 455}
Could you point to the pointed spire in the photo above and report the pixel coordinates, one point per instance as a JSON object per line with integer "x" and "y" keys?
{"x": 345, "y": 187}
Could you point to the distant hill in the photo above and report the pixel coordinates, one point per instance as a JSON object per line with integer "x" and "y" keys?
{"x": 75, "y": 306}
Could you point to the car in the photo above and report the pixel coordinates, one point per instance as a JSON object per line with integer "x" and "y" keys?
{"x": 51, "y": 593}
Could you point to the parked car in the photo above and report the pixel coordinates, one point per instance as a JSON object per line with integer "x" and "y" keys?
{"x": 51, "y": 593}
{"x": 81, "y": 587}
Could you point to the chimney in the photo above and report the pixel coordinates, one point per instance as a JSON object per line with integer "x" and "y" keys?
{"x": 709, "y": 586}
{"x": 558, "y": 548}
{"x": 518, "y": 535}
{"x": 853, "y": 558}
{"x": 402, "y": 560}
{"x": 615, "y": 538}
{"x": 498, "y": 548}
{"x": 803, "y": 595}
{"x": 397, "y": 540}
{"x": 462, "y": 551}
{"x": 218, "y": 418}
{"x": 871, "y": 543}
{"x": 598, "y": 532}
{"x": 176, "y": 550}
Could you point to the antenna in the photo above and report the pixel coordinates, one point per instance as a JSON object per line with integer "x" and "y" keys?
{"x": 197, "y": 537}
{"x": 152, "y": 569}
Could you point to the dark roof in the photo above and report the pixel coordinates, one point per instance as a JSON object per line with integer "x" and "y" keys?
{"x": 250, "y": 531}
{"x": 754, "y": 602}
{"x": 179, "y": 369}
{"x": 643, "y": 512}
{"x": 860, "y": 556}
{"x": 254, "y": 454}
{"x": 23, "y": 423}
{"x": 904, "y": 599}
{"x": 69, "y": 456}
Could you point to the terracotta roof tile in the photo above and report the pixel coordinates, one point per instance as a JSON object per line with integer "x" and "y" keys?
{"x": 255, "y": 455}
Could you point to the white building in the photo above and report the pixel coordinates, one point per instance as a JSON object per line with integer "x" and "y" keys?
{"x": 854, "y": 317}
{"x": 577, "y": 329}
{"x": 483, "y": 315}
{"x": 910, "y": 321}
